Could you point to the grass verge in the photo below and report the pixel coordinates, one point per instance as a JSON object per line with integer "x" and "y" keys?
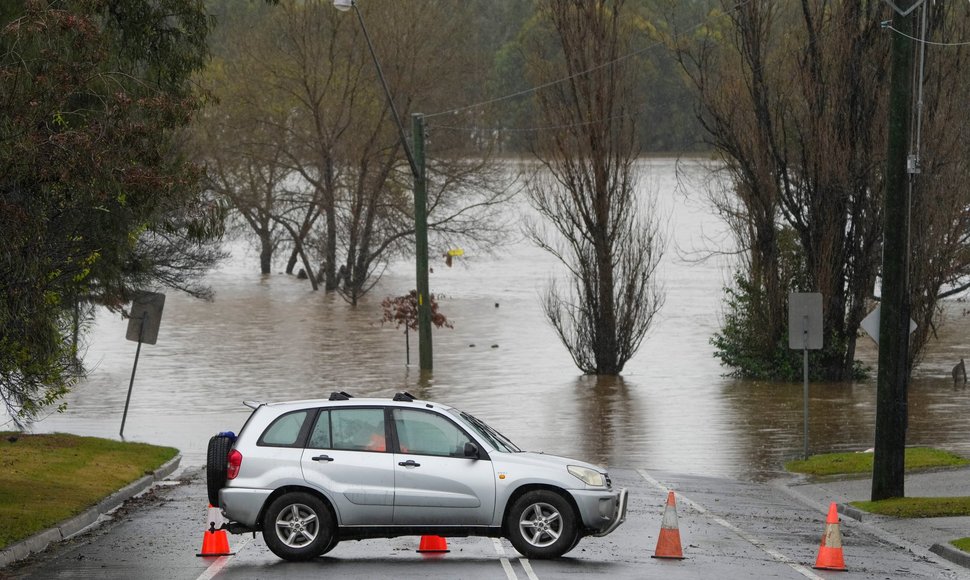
{"x": 917, "y": 507}
{"x": 858, "y": 463}
{"x": 962, "y": 544}
{"x": 45, "y": 479}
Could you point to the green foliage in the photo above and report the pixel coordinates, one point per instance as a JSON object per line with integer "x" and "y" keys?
{"x": 45, "y": 479}
{"x": 917, "y": 458}
{"x": 95, "y": 198}
{"x": 917, "y": 507}
{"x": 962, "y": 544}
{"x": 739, "y": 344}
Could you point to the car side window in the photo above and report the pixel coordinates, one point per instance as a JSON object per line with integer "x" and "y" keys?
{"x": 424, "y": 433}
{"x": 284, "y": 431}
{"x": 357, "y": 429}
{"x": 320, "y": 436}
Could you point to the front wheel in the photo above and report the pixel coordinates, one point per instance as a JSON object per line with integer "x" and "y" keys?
{"x": 298, "y": 526}
{"x": 542, "y": 524}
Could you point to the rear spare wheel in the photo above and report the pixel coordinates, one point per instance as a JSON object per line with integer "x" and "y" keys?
{"x": 216, "y": 466}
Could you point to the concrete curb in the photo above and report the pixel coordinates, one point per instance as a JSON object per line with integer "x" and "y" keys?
{"x": 853, "y": 512}
{"x": 952, "y": 554}
{"x": 69, "y": 527}
{"x": 872, "y": 528}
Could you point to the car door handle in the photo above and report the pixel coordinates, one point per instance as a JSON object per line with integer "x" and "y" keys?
{"x": 322, "y": 458}
{"x": 409, "y": 463}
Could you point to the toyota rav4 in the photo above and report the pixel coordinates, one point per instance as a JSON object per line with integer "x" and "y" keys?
{"x": 308, "y": 474}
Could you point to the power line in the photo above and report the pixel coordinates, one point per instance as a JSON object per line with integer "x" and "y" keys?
{"x": 575, "y": 75}
{"x": 818, "y": 38}
{"x": 923, "y": 41}
{"x": 541, "y": 128}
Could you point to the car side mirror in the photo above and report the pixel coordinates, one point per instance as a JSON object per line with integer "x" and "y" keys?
{"x": 471, "y": 450}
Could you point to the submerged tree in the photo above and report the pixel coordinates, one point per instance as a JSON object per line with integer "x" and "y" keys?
{"x": 793, "y": 96}
{"x": 299, "y": 74}
{"x": 605, "y": 235}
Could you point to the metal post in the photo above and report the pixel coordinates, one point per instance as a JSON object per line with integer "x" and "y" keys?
{"x": 805, "y": 387}
{"x": 134, "y": 367}
{"x": 421, "y": 245}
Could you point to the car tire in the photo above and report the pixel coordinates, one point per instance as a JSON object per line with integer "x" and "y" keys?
{"x": 333, "y": 544}
{"x": 298, "y": 526}
{"x": 542, "y": 525}
{"x": 216, "y": 466}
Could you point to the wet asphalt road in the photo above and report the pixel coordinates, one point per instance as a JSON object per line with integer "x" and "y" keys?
{"x": 729, "y": 529}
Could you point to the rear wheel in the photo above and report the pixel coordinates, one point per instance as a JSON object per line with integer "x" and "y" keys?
{"x": 298, "y": 526}
{"x": 216, "y": 466}
{"x": 542, "y": 524}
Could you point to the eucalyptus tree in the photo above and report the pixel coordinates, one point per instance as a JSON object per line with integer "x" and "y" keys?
{"x": 96, "y": 198}
{"x": 607, "y": 237}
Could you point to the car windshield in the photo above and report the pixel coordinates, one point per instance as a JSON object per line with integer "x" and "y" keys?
{"x": 497, "y": 440}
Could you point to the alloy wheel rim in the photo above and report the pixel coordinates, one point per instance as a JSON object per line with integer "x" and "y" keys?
{"x": 541, "y": 525}
{"x": 297, "y": 526}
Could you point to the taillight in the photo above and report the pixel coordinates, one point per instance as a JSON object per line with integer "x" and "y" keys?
{"x": 235, "y": 462}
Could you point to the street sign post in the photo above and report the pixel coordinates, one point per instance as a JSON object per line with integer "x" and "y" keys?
{"x": 143, "y": 323}
{"x": 805, "y": 333}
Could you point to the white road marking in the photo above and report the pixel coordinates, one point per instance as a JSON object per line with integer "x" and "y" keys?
{"x": 528, "y": 569}
{"x": 500, "y": 550}
{"x": 221, "y": 562}
{"x": 750, "y": 539}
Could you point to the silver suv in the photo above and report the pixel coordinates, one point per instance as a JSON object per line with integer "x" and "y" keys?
{"x": 311, "y": 473}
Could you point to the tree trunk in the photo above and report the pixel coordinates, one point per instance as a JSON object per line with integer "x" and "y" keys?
{"x": 291, "y": 263}
{"x": 265, "y": 252}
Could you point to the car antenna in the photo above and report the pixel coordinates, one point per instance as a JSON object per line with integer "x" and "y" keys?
{"x": 405, "y": 396}
{"x": 340, "y": 396}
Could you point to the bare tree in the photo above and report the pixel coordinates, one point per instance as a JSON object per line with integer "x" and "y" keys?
{"x": 608, "y": 240}
{"x": 794, "y": 96}
{"x": 343, "y": 188}
{"x": 238, "y": 171}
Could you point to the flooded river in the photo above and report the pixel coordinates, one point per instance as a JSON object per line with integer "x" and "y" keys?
{"x": 272, "y": 338}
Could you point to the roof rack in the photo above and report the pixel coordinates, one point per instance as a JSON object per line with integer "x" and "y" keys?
{"x": 405, "y": 396}
{"x": 340, "y": 396}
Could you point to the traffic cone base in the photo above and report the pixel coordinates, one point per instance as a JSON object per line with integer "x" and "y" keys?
{"x": 215, "y": 543}
{"x": 433, "y": 544}
{"x": 668, "y": 544}
{"x": 215, "y": 540}
{"x": 830, "y": 553}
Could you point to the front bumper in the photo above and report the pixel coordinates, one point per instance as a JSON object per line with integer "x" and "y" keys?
{"x": 601, "y": 511}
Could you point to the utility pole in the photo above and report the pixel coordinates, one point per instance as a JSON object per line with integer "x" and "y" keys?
{"x": 421, "y": 244}
{"x": 893, "y": 375}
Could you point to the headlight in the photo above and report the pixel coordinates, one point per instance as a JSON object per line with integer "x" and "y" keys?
{"x": 589, "y": 476}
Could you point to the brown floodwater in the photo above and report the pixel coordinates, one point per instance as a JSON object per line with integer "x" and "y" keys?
{"x": 272, "y": 338}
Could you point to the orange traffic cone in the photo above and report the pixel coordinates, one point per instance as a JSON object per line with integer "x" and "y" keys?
{"x": 830, "y": 553}
{"x": 433, "y": 544}
{"x": 668, "y": 544}
{"x": 215, "y": 541}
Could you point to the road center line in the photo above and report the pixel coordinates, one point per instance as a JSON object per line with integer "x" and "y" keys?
{"x": 221, "y": 562}
{"x": 722, "y": 522}
{"x": 509, "y": 572}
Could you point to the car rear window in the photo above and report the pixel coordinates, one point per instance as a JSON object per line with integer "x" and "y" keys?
{"x": 285, "y": 431}
{"x": 357, "y": 429}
